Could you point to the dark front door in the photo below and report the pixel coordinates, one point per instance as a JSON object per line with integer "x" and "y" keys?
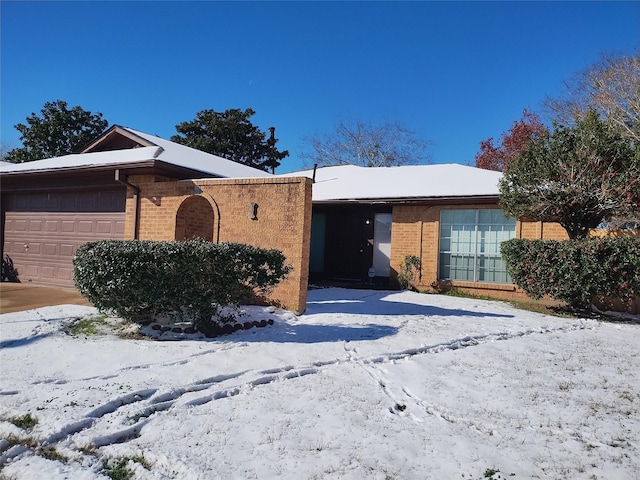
{"x": 349, "y": 244}
{"x": 342, "y": 239}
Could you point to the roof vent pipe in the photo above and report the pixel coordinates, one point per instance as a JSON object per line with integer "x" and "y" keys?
{"x": 315, "y": 167}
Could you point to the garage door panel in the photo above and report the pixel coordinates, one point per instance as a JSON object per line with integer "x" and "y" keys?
{"x": 105, "y": 227}
{"x": 65, "y": 273}
{"x": 67, "y": 249}
{"x": 48, "y": 272}
{"x": 17, "y": 225}
{"x": 35, "y": 248}
{"x": 53, "y": 241}
{"x": 35, "y": 226}
{"x": 67, "y": 226}
{"x": 85, "y": 226}
{"x": 30, "y": 270}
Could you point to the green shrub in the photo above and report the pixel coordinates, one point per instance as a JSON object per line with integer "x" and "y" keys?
{"x": 195, "y": 279}
{"x": 409, "y": 268}
{"x": 575, "y": 271}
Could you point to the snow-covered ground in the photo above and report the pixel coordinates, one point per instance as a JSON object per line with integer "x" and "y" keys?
{"x": 364, "y": 385}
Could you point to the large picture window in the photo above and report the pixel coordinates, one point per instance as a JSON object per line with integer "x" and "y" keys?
{"x": 470, "y": 245}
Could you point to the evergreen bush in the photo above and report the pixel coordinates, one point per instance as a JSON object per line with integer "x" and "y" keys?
{"x": 194, "y": 279}
{"x": 575, "y": 271}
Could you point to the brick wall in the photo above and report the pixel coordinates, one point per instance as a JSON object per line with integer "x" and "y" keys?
{"x": 541, "y": 230}
{"x": 264, "y": 212}
{"x": 415, "y": 231}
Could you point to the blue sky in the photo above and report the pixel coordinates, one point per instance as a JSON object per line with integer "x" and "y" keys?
{"x": 454, "y": 72}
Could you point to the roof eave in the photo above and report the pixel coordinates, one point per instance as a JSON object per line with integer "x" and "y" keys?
{"x": 457, "y": 199}
{"x": 152, "y": 166}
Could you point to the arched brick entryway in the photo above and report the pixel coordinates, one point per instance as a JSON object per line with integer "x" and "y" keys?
{"x": 195, "y": 219}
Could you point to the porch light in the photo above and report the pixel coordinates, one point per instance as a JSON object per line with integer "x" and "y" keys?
{"x": 253, "y": 212}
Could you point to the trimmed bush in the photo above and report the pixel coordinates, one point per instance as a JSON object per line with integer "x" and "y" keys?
{"x": 575, "y": 271}
{"x": 139, "y": 279}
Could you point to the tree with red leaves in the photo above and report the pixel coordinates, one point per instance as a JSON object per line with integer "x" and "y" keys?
{"x": 512, "y": 142}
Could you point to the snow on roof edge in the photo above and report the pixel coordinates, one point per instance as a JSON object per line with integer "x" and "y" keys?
{"x": 79, "y": 160}
{"x": 189, "y": 157}
{"x": 346, "y": 183}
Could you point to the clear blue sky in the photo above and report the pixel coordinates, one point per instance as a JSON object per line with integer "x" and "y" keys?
{"x": 454, "y": 72}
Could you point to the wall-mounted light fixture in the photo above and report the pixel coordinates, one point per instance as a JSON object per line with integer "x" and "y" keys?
{"x": 253, "y": 212}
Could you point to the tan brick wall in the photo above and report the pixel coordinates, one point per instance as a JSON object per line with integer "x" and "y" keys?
{"x": 541, "y": 230}
{"x": 283, "y": 219}
{"x": 415, "y": 231}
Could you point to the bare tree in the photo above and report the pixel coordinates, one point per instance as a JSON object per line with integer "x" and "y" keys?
{"x": 367, "y": 144}
{"x": 611, "y": 87}
{"x": 4, "y": 149}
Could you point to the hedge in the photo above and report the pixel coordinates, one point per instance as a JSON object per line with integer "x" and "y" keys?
{"x": 575, "y": 271}
{"x": 194, "y": 279}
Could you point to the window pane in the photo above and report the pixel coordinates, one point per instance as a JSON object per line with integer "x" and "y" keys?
{"x": 470, "y": 245}
{"x": 458, "y": 217}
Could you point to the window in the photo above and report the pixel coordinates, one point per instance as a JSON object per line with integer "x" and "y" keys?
{"x": 470, "y": 245}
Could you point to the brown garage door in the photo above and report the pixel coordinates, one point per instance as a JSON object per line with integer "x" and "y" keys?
{"x": 42, "y": 245}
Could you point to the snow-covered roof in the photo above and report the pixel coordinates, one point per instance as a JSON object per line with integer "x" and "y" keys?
{"x": 95, "y": 159}
{"x": 351, "y": 182}
{"x": 160, "y": 150}
{"x": 188, "y": 157}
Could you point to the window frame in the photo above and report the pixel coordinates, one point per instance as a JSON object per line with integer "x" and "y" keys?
{"x": 472, "y": 260}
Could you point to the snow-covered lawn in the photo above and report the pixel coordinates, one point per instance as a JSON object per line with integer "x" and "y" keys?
{"x": 364, "y": 385}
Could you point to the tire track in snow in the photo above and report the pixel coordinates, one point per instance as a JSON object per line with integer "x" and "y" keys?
{"x": 162, "y": 401}
{"x": 171, "y": 363}
{"x": 166, "y": 400}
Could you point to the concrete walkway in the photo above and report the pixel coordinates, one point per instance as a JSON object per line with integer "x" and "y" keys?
{"x": 15, "y": 297}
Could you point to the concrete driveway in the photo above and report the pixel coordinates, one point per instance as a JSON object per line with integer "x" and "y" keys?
{"x": 15, "y": 297}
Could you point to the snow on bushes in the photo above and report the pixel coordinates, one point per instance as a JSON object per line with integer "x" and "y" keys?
{"x": 140, "y": 279}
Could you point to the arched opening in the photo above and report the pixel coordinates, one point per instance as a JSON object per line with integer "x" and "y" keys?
{"x": 195, "y": 219}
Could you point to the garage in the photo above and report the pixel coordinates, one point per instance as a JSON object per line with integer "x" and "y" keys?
{"x": 42, "y": 248}
{"x": 43, "y": 231}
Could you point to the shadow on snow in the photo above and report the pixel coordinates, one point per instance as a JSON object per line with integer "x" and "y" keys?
{"x": 368, "y": 302}
{"x": 287, "y": 333}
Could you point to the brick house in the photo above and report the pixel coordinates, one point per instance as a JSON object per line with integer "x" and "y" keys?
{"x": 352, "y": 224}
{"x": 365, "y": 221}
{"x": 131, "y": 185}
